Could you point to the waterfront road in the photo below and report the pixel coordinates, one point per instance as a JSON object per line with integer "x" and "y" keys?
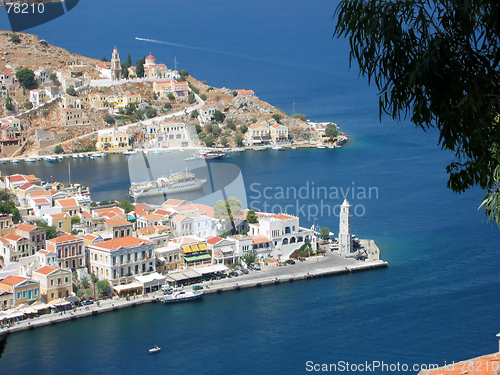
{"x": 328, "y": 265}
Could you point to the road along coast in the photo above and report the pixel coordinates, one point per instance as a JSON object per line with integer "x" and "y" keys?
{"x": 319, "y": 266}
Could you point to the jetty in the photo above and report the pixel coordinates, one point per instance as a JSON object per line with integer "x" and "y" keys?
{"x": 331, "y": 264}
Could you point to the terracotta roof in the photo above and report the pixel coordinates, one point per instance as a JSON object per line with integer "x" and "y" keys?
{"x": 260, "y": 240}
{"x": 16, "y": 178}
{"x": 117, "y": 243}
{"x": 183, "y": 240}
{"x": 13, "y": 237}
{"x": 4, "y": 240}
{"x": 256, "y": 126}
{"x": 70, "y": 202}
{"x": 117, "y": 222}
{"x": 26, "y": 227}
{"x": 150, "y": 57}
{"x": 41, "y": 200}
{"x": 86, "y": 214}
{"x": 59, "y": 215}
{"x": 13, "y": 280}
{"x": 46, "y": 270}
{"x": 212, "y": 240}
{"x": 106, "y": 211}
{"x": 139, "y": 211}
{"x": 173, "y": 202}
{"x": 144, "y": 206}
{"x": 162, "y": 212}
{"x": 65, "y": 238}
{"x": 282, "y": 216}
{"x": 25, "y": 186}
{"x": 203, "y": 209}
{"x": 152, "y": 217}
{"x": 90, "y": 236}
{"x": 179, "y": 217}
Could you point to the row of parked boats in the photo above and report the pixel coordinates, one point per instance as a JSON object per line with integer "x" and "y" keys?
{"x": 55, "y": 157}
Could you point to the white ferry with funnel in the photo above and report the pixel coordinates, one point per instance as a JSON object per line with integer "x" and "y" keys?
{"x": 175, "y": 183}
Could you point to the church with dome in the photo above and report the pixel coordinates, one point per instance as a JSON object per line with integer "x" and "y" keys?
{"x": 156, "y": 71}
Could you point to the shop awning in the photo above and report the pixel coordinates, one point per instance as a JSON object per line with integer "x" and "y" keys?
{"x": 194, "y": 258}
{"x": 131, "y": 286}
{"x": 191, "y": 274}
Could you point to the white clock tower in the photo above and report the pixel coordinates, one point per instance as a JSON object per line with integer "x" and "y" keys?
{"x": 345, "y": 236}
{"x": 116, "y": 67}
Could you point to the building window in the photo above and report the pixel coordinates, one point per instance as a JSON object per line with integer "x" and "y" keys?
{"x": 35, "y": 292}
{"x": 24, "y": 294}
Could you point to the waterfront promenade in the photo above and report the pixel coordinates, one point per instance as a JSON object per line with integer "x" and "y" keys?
{"x": 328, "y": 265}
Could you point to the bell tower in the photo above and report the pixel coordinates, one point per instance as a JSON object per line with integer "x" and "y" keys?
{"x": 345, "y": 235}
{"x": 116, "y": 67}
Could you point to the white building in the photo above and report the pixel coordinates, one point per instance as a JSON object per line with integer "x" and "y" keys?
{"x": 345, "y": 235}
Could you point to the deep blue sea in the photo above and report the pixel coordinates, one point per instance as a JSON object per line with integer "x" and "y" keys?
{"x": 436, "y": 303}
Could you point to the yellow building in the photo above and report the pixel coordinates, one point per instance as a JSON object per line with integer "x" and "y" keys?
{"x": 162, "y": 88}
{"x": 24, "y": 290}
{"x": 69, "y": 205}
{"x": 54, "y": 282}
{"x": 113, "y": 139}
{"x": 97, "y": 100}
{"x": 60, "y": 221}
{"x": 117, "y": 101}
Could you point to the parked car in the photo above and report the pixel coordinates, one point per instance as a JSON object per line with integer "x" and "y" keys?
{"x": 245, "y": 271}
{"x": 360, "y": 257}
{"x": 254, "y": 266}
{"x": 86, "y": 302}
{"x": 233, "y": 273}
{"x": 197, "y": 287}
{"x": 290, "y": 261}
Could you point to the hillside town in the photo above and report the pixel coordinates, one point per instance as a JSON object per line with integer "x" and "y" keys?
{"x": 61, "y": 239}
{"x": 79, "y": 104}
{"x": 59, "y": 249}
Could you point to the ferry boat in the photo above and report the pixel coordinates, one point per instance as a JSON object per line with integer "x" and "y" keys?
{"x": 155, "y": 349}
{"x": 176, "y": 182}
{"x": 182, "y": 296}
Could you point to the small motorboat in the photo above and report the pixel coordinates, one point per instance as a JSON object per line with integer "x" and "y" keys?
{"x": 156, "y": 349}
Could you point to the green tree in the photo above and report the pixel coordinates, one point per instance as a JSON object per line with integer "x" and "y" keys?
{"x": 249, "y": 257}
{"x": 85, "y": 282}
{"x": 224, "y": 141}
{"x": 216, "y": 130}
{"x": 198, "y": 128}
{"x": 103, "y": 287}
{"x": 235, "y": 93}
{"x": 130, "y": 109}
{"x": 209, "y": 140}
{"x": 438, "y": 63}
{"x": 26, "y": 78}
{"x": 58, "y": 149}
{"x": 167, "y": 105}
{"x": 219, "y": 116}
{"x": 50, "y": 230}
{"x": 324, "y": 233}
{"x": 227, "y": 208}
{"x": 277, "y": 118}
{"x": 243, "y": 128}
{"x": 183, "y": 75}
{"x": 71, "y": 91}
{"x": 202, "y": 136}
{"x": 170, "y": 96}
{"x": 94, "y": 280}
{"x": 75, "y": 220}
{"x": 203, "y": 97}
{"x": 191, "y": 98}
{"x": 104, "y": 59}
{"x": 139, "y": 114}
{"x": 8, "y": 103}
{"x": 251, "y": 217}
{"x": 208, "y": 128}
{"x": 53, "y": 77}
{"x": 194, "y": 114}
{"x": 109, "y": 119}
{"x": 126, "y": 205}
{"x": 139, "y": 71}
{"x": 9, "y": 207}
{"x": 331, "y": 130}
{"x": 151, "y": 112}
{"x": 238, "y": 139}
{"x": 305, "y": 136}
{"x": 14, "y": 38}
{"x": 231, "y": 124}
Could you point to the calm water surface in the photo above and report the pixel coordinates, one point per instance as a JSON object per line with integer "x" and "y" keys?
{"x": 436, "y": 302}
